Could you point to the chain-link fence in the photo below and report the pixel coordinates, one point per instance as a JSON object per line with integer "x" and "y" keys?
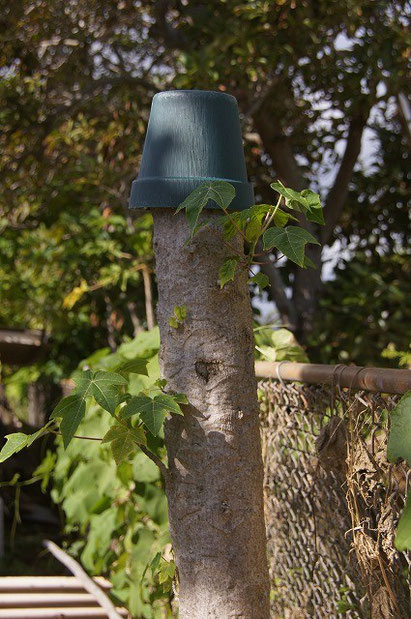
{"x": 332, "y": 503}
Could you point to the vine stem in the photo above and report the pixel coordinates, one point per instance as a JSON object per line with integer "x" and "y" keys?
{"x": 234, "y": 223}
{"x": 226, "y": 243}
{"x": 164, "y": 470}
{"x": 153, "y": 457}
{"x": 86, "y": 438}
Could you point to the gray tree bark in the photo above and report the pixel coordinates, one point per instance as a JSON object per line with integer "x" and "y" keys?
{"x": 215, "y": 485}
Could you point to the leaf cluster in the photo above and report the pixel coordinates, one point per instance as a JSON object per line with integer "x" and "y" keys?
{"x": 267, "y": 222}
{"x": 135, "y": 416}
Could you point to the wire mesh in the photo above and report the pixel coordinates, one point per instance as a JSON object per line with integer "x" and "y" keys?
{"x": 332, "y": 502}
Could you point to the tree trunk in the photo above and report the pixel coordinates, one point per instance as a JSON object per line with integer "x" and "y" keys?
{"x": 215, "y": 488}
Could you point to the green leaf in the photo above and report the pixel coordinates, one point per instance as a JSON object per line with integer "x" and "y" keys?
{"x": 14, "y": 443}
{"x": 281, "y": 218}
{"x": 291, "y": 241}
{"x": 18, "y": 440}
{"x": 138, "y": 435}
{"x": 306, "y": 201}
{"x": 253, "y": 230}
{"x": 166, "y": 571}
{"x": 82, "y": 380}
{"x": 399, "y": 441}
{"x": 103, "y": 386}
{"x": 116, "y": 431}
{"x": 403, "y": 537}
{"x": 134, "y": 366}
{"x": 314, "y": 210}
{"x": 261, "y": 280}
{"x": 123, "y": 441}
{"x": 181, "y": 398}
{"x": 161, "y": 383}
{"x": 180, "y": 312}
{"x": 227, "y": 270}
{"x": 152, "y": 411}
{"x": 220, "y": 192}
{"x": 173, "y": 322}
{"x": 308, "y": 263}
{"x": 71, "y": 410}
{"x": 153, "y": 417}
{"x": 170, "y": 403}
{"x": 122, "y": 448}
{"x": 155, "y": 563}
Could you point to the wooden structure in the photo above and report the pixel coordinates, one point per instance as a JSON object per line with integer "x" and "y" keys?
{"x": 50, "y": 597}
{"x": 22, "y": 346}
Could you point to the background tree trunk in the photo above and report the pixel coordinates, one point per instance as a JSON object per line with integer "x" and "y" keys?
{"x": 215, "y": 490}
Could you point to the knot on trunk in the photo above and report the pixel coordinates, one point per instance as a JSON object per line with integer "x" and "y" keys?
{"x": 206, "y": 369}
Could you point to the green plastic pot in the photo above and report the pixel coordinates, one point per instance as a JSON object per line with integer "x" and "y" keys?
{"x": 193, "y": 136}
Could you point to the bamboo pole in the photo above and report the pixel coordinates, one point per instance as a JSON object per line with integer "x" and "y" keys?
{"x": 382, "y": 380}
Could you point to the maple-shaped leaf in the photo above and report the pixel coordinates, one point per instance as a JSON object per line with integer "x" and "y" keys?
{"x": 220, "y": 192}
{"x": 152, "y": 411}
{"x": 103, "y": 386}
{"x": 123, "y": 441}
{"x": 291, "y": 241}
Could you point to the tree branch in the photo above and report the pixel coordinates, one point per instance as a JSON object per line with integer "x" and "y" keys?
{"x": 172, "y": 38}
{"x": 284, "y": 305}
{"x": 164, "y": 470}
{"x": 339, "y": 191}
{"x": 277, "y": 145}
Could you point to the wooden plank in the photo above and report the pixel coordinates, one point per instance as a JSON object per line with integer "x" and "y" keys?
{"x": 382, "y": 380}
{"x": 47, "y": 583}
{"x": 76, "y": 569}
{"x": 40, "y": 600}
{"x": 57, "y": 613}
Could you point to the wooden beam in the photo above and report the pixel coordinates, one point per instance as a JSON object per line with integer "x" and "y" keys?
{"x": 44, "y": 600}
{"x": 380, "y": 380}
{"x": 28, "y": 584}
{"x": 88, "y": 584}
{"x": 60, "y": 612}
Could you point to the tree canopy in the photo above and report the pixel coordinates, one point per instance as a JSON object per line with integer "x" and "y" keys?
{"x": 311, "y": 78}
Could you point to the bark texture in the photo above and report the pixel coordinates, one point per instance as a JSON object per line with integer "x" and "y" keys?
{"x": 215, "y": 486}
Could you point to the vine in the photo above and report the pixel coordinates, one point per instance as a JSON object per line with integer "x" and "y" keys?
{"x": 265, "y": 222}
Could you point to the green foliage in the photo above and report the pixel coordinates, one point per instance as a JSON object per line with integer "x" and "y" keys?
{"x": 262, "y": 220}
{"x": 178, "y": 317}
{"x": 17, "y": 441}
{"x": 227, "y": 270}
{"x": 261, "y": 280}
{"x": 399, "y": 447}
{"x": 151, "y": 410}
{"x": 115, "y": 509}
{"x": 220, "y": 192}
{"x": 110, "y": 390}
{"x": 291, "y": 241}
{"x": 305, "y": 201}
{"x": 365, "y": 311}
{"x": 278, "y": 345}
